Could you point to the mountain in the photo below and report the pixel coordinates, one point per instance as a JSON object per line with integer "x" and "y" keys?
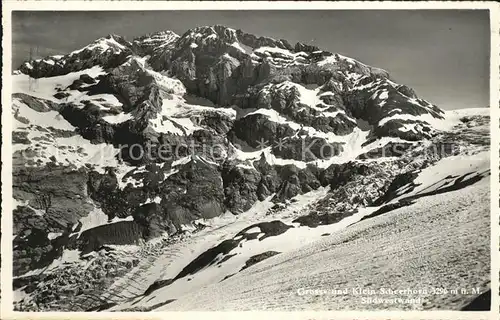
{"x": 141, "y": 168}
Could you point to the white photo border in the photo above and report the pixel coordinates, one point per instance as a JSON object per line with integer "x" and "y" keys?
{"x": 6, "y": 222}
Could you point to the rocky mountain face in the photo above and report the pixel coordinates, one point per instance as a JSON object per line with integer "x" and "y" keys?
{"x": 123, "y": 141}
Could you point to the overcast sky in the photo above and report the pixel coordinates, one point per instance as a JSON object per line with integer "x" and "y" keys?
{"x": 442, "y": 54}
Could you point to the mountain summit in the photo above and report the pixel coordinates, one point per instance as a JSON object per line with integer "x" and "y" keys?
{"x": 321, "y": 90}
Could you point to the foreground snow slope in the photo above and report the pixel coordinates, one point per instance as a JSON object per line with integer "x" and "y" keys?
{"x": 401, "y": 249}
{"x": 227, "y": 265}
{"x": 437, "y": 242}
{"x": 176, "y": 256}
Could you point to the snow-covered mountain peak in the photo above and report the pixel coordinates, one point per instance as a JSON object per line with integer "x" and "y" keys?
{"x": 111, "y": 42}
{"x": 160, "y": 38}
{"x": 109, "y": 51}
{"x": 154, "y": 42}
{"x": 222, "y": 31}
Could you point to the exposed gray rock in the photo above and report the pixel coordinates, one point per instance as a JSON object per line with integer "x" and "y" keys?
{"x": 258, "y": 131}
{"x": 307, "y": 149}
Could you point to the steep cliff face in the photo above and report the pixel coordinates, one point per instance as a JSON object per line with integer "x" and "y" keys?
{"x": 125, "y": 141}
